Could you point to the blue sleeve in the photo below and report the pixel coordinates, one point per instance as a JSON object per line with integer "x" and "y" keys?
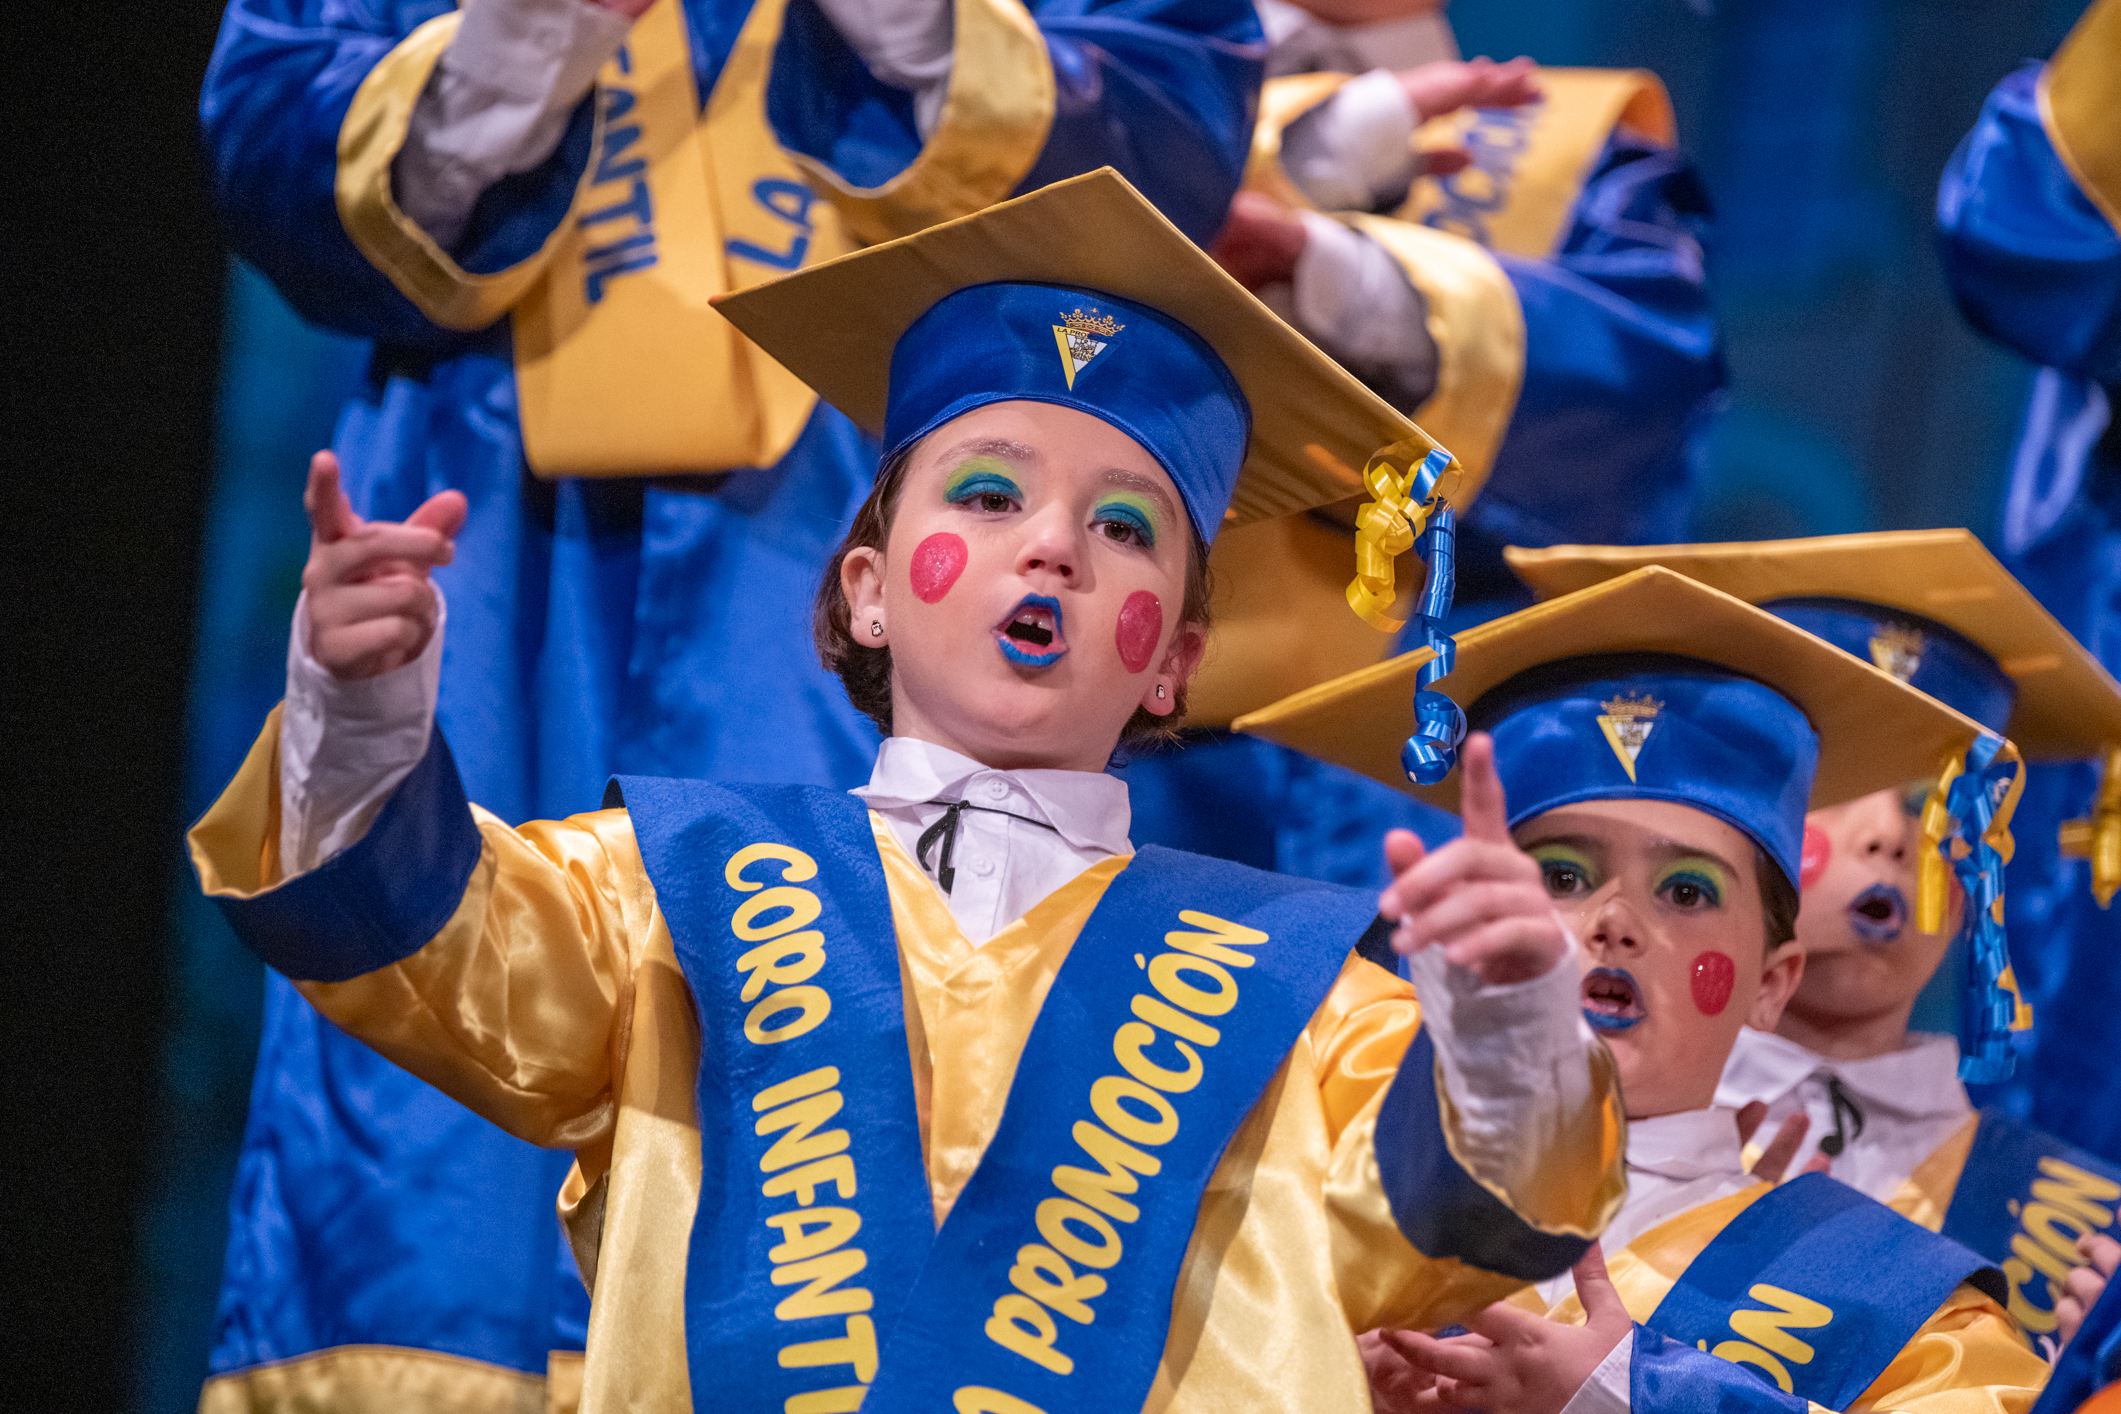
{"x": 283, "y": 75}
{"x": 1164, "y": 90}
{"x": 382, "y": 898}
{"x": 1623, "y": 364}
{"x": 2033, "y": 264}
{"x": 1663, "y": 1374}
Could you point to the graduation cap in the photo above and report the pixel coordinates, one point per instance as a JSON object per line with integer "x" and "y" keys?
{"x": 1082, "y": 294}
{"x": 1646, "y": 687}
{"x": 1933, "y": 607}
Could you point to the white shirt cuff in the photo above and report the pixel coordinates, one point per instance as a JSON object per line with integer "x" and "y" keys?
{"x": 1355, "y": 151}
{"x": 498, "y": 102}
{"x": 1355, "y": 301}
{"x": 1515, "y": 1060}
{"x": 345, "y": 745}
{"x": 907, "y": 44}
{"x": 1607, "y": 1390}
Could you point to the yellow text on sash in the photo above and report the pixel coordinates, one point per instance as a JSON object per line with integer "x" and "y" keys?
{"x": 2067, "y": 1204}
{"x": 811, "y": 1248}
{"x": 1764, "y": 1340}
{"x": 622, "y": 365}
{"x": 1158, "y": 1055}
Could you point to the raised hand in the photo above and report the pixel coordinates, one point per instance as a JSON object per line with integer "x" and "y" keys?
{"x": 1449, "y": 85}
{"x": 1260, "y": 241}
{"x": 1481, "y": 898}
{"x": 1515, "y": 1362}
{"x": 371, "y": 605}
{"x": 2087, "y": 1283}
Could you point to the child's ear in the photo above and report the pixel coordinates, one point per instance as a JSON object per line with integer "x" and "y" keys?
{"x": 862, "y": 584}
{"x": 1778, "y": 983}
{"x": 1160, "y": 696}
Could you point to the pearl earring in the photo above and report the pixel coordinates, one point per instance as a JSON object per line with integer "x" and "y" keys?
{"x": 876, "y": 630}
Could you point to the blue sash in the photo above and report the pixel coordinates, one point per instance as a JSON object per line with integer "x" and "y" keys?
{"x": 2023, "y": 1200}
{"x": 1817, "y": 1288}
{"x": 816, "y": 1281}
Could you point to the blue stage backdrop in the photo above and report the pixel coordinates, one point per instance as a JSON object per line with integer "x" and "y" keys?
{"x": 1858, "y": 400}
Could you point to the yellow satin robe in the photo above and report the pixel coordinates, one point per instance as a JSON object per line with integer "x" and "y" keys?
{"x": 552, "y": 1003}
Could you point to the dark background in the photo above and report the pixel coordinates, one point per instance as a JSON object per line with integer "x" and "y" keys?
{"x": 161, "y": 404}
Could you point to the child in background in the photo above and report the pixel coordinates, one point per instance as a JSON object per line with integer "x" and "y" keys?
{"x": 1513, "y": 257}
{"x": 1885, "y": 1108}
{"x": 1658, "y": 742}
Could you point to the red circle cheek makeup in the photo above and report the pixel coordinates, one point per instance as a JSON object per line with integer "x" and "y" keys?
{"x": 1141, "y": 623}
{"x": 1714, "y": 976}
{"x": 1817, "y": 854}
{"x": 937, "y": 562}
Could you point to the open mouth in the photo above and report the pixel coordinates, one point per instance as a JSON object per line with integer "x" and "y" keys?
{"x": 1611, "y": 1000}
{"x": 1878, "y": 914}
{"x": 1031, "y": 636}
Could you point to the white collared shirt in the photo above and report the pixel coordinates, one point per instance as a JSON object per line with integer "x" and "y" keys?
{"x": 1003, "y": 863}
{"x": 1911, "y": 1101}
{"x": 1676, "y": 1163}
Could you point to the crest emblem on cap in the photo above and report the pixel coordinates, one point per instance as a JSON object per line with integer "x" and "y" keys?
{"x": 1898, "y": 650}
{"x": 1083, "y": 337}
{"x": 1626, "y": 724}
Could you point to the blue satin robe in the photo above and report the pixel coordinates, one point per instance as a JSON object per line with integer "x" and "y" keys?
{"x": 1623, "y": 371}
{"x": 595, "y": 626}
{"x": 2035, "y": 266}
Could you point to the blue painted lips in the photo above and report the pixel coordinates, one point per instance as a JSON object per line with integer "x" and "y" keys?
{"x": 1031, "y": 636}
{"x": 1611, "y": 999}
{"x": 1878, "y": 914}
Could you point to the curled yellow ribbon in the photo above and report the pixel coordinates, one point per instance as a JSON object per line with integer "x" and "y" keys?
{"x": 2097, "y": 837}
{"x": 1386, "y": 527}
{"x": 1941, "y": 844}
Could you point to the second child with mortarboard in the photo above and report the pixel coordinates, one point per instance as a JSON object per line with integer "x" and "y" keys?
{"x": 1659, "y": 744}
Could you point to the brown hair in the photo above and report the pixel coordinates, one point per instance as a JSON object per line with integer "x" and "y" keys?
{"x": 1779, "y": 899}
{"x": 866, "y": 672}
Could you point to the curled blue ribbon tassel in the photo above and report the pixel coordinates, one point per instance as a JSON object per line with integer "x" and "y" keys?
{"x": 1989, "y": 1007}
{"x": 1439, "y": 725}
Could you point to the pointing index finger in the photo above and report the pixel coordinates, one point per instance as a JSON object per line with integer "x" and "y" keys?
{"x": 331, "y": 515}
{"x": 1480, "y": 801}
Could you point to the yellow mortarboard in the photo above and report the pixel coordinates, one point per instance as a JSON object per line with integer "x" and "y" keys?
{"x": 2067, "y": 706}
{"x": 1874, "y": 731}
{"x": 1318, "y": 436}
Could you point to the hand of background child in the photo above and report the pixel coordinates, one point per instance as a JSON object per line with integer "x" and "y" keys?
{"x": 1513, "y": 1362}
{"x": 1449, "y": 85}
{"x": 371, "y": 606}
{"x": 2087, "y": 1283}
{"x": 1774, "y": 1160}
{"x": 1481, "y": 898}
{"x": 1260, "y": 241}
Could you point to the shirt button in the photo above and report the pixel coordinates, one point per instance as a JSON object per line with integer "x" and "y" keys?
{"x": 983, "y": 866}
{"x": 997, "y": 789}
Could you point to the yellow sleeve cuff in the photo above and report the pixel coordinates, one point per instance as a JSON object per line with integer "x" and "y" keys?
{"x": 2080, "y": 105}
{"x": 369, "y": 141}
{"x": 235, "y": 847}
{"x": 1478, "y": 327}
{"x": 996, "y": 114}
